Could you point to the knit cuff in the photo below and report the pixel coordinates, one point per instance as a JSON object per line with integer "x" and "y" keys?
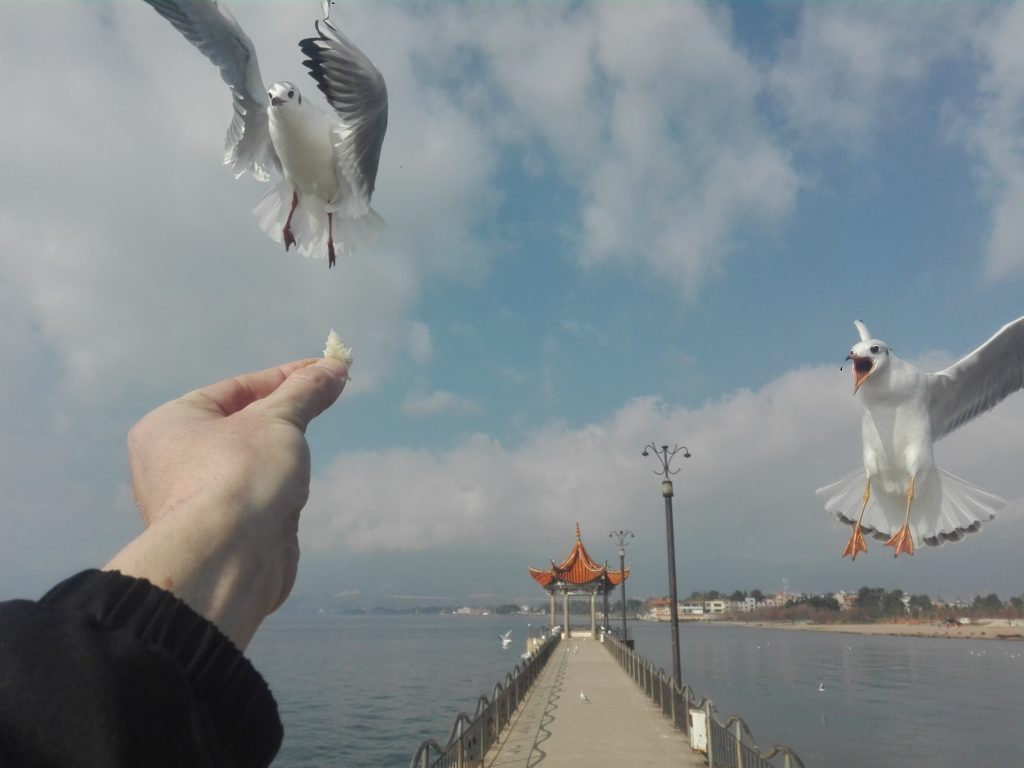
{"x": 241, "y": 706}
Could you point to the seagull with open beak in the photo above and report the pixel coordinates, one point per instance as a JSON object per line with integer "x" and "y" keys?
{"x": 905, "y": 411}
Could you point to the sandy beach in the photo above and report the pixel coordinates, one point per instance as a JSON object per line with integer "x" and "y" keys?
{"x": 981, "y": 629}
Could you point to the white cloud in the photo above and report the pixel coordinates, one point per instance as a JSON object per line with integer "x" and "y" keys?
{"x": 642, "y": 113}
{"x": 747, "y": 493}
{"x": 994, "y": 137}
{"x": 842, "y": 74}
{"x": 439, "y": 401}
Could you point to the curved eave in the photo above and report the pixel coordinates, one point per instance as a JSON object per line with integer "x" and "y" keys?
{"x": 544, "y": 578}
{"x": 617, "y": 577}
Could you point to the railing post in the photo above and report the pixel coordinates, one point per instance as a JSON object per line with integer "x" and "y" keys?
{"x": 460, "y": 745}
{"x": 739, "y": 743}
{"x": 672, "y": 703}
{"x": 711, "y": 733}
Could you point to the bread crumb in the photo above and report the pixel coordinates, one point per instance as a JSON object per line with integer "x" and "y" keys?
{"x": 336, "y": 349}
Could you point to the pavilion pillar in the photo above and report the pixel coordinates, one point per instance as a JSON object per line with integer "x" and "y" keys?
{"x": 593, "y": 614}
{"x": 565, "y": 606}
{"x": 606, "y": 625}
{"x": 552, "y": 596}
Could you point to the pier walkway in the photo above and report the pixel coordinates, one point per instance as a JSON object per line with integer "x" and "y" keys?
{"x": 615, "y": 726}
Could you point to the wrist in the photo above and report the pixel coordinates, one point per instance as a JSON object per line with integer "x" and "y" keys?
{"x": 230, "y": 574}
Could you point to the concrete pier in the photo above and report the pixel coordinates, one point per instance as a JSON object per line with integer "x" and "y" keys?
{"x": 616, "y": 726}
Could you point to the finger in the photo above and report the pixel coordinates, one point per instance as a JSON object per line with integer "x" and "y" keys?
{"x": 232, "y": 395}
{"x": 307, "y": 392}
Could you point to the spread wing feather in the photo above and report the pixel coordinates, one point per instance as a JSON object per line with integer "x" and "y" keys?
{"x": 211, "y": 28}
{"x": 356, "y": 90}
{"x": 979, "y": 381}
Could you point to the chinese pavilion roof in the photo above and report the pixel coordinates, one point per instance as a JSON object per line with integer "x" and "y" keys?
{"x": 578, "y": 569}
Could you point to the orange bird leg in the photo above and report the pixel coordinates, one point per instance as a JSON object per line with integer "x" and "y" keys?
{"x": 330, "y": 239}
{"x": 902, "y": 541}
{"x": 856, "y": 543}
{"x": 289, "y": 238}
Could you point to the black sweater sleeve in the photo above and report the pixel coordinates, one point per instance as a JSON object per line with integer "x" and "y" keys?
{"x": 108, "y": 670}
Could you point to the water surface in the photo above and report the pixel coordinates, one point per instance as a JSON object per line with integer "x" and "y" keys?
{"x": 362, "y": 691}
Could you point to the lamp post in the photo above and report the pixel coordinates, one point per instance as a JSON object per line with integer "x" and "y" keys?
{"x": 620, "y": 537}
{"x": 606, "y": 626}
{"x": 664, "y": 457}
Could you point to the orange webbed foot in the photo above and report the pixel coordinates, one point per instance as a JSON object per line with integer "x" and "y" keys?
{"x": 901, "y": 542}
{"x": 856, "y": 544}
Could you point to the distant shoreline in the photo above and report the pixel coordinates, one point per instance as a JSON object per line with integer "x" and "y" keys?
{"x": 983, "y": 629}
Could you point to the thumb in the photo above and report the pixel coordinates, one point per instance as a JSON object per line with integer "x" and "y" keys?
{"x": 307, "y": 392}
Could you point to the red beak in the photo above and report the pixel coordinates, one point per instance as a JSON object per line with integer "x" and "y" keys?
{"x": 862, "y": 368}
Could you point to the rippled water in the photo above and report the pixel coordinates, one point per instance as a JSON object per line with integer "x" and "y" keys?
{"x": 895, "y": 702}
{"x": 364, "y": 691}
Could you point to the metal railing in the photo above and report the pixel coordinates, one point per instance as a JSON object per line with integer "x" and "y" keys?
{"x": 470, "y": 738}
{"x": 728, "y": 746}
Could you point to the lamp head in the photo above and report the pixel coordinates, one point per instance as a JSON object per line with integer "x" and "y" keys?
{"x": 645, "y": 454}
{"x": 686, "y": 453}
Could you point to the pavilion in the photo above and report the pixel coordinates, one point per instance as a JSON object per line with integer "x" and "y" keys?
{"x": 576, "y": 576}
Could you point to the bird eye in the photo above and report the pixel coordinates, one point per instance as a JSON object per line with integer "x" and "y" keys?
{"x": 270, "y": 94}
{"x": 874, "y": 349}
{"x": 291, "y": 94}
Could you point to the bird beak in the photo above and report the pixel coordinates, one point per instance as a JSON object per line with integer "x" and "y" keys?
{"x": 277, "y": 101}
{"x": 862, "y": 368}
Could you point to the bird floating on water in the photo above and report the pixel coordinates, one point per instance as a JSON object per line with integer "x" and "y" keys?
{"x": 821, "y": 687}
{"x": 328, "y": 161}
{"x": 905, "y": 411}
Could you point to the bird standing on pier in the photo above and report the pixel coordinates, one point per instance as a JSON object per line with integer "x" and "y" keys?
{"x": 905, "y": 411}
{"x": 328, "y": 161}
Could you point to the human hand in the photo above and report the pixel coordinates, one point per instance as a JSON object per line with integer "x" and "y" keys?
{"x": 220, "y": 476}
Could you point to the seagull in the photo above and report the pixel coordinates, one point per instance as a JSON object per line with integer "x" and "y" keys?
{"x": 905, "y": 411}
{"x": 821, "y": 687}
{"x": 583, "y": 696}
{"x": 506, "y": 639}
{"x": 328, "y": 162}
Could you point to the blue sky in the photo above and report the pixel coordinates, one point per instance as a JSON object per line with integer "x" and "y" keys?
{"x": 609, "y": 223}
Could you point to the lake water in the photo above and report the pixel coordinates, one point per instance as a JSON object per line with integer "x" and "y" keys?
{"x": 362, "y": 691}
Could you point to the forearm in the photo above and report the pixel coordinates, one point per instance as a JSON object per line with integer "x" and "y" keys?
{"x": 221, "y": 570}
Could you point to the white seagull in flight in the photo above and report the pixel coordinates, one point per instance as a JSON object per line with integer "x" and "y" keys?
{"x": 905, "y": 411}
{"x": 328, "y": 161}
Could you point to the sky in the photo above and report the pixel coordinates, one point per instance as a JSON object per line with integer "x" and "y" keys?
{"x": 609, "y": 224}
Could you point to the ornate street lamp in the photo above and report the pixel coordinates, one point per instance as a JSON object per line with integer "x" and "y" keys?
{"x": 620, "y": 537}
{"x": 665, "y": 456}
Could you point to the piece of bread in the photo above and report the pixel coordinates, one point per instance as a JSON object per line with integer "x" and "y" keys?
{"x": 336, "y": 349}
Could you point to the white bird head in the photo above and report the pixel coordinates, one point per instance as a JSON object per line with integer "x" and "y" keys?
{"x": 284, "y": 95}
{"x": 868, "y": 356}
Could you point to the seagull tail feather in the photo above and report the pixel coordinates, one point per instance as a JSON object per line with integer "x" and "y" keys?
{"x": 309, "y": 223}
{"x": 963, "y": 509}
{"x": 952, "y": 510}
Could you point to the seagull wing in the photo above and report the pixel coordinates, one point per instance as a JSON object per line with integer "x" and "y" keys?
{"x": 979, "y": 381}
{"x": 356, "y": 90}
{"x": 211, "y": 28}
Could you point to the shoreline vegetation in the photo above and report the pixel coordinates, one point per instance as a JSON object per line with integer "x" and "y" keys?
{"x": 977, "y": 629}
